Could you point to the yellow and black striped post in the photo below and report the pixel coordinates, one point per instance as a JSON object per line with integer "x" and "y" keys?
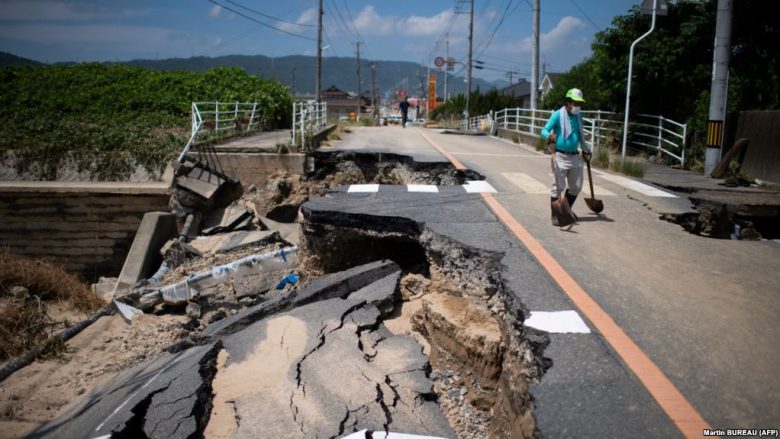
{"x": 714, "y": 133}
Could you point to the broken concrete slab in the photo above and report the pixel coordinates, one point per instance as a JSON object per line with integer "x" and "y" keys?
{"x": 226, "y": 219}
{"x": 343, "y": 283}
{"x": 144, "y": 256}
{"x": 165, "y": 397}
{"x": 233, "y": 240}
{"x": 290, "y": 232}
{"x": 200, "y": 182}
{"x": 339, "y": 284}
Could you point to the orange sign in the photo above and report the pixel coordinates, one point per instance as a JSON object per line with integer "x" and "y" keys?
{"x": 431, "y": 92}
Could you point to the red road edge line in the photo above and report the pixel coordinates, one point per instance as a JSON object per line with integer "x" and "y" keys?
{"x": 680, "y": 411}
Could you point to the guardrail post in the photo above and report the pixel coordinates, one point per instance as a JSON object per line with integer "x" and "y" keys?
{"x": 294, "y": 129}
{"x": 682, "y": 148}
{"x": 517, "y": 119}
{"x": 216, "y": 114}
{"x": 660, "y": 131}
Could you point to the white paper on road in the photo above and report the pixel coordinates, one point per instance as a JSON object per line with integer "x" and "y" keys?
{"x": 363, "y": 188}
{"x": 422, "y": 188}
{"x": 479, "y": 187}
{"x": 381, "y": 435}
{"x": 561, "y": 322}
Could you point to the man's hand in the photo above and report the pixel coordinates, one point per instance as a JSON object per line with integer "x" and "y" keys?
{"x": 552, "y": 138}
{"x": 586, "y": 155}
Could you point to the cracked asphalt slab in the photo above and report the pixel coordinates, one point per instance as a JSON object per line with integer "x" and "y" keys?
{"x": 161, "y": 398}
{"x": 325, "y": 367}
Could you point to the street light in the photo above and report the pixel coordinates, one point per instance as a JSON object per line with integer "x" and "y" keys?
{"x": 660, "y": 8}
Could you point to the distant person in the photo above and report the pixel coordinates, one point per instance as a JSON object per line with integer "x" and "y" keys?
{"x": 404, "y": 106}
{"x": 564, "y": 129}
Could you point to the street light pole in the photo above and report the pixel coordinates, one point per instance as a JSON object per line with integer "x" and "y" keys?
{"x": 468, "y": 68}
{"x": 319, "y": 54}
{"x": 628, "y": 86}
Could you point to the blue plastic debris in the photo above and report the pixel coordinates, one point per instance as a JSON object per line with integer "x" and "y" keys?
{"x": 290, "y": 279}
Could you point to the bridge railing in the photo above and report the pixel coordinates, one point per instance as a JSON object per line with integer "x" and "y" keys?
{"x": 477, "y": 123}
{"x": 219, "y": 117}
{"x": 648, "y": 131}
{"x": 309, "y": 118}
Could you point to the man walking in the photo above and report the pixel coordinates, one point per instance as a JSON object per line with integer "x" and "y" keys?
{"x": 404, "y": 106}
{"x": 564, "y": 130}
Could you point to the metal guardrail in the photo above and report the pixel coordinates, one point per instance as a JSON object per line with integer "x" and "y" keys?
{"x": 477, "y": 123}
{"x": 649, "y": 131}
{"x": 214, "y": 117}
{"x": 309, "y": 118}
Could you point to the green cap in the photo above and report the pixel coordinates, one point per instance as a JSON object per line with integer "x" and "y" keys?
{"x": 575, "y": 94}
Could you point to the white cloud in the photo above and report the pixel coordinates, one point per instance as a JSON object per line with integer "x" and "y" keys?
{"x": 306, "y": 19}
{"x": 426, "y": 26}
{"x": 371, "y": 23}
{"x": 215, "y": 11}
{"x": 53, "y": 10}
{"x": 556, "y": 38}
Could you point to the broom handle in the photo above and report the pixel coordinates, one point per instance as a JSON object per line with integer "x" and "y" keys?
{"x": 590, "y": 180}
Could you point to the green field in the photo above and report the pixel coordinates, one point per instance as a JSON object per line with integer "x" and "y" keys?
{"x": 107, "y": 119}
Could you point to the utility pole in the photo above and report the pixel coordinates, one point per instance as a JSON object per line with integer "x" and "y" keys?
{"x": 293, "y": 82}
{"x": 319, "y": 54}
{"x": 357, "y": 66}
{"x": 374, "y": 97}
{"x": 468, "y": 68}
{"x": 534, "y": 62}
{"x": 446, "y": 67}
{"x": 720, "y": 85}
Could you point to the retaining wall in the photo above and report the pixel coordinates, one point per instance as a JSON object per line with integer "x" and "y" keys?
{"x": 87, "y": 227}
{"x": 762, "y": 158}
{"x": 255, "y": 168}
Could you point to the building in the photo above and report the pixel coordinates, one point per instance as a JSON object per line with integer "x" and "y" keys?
{"x": 520, "y": 92}
{"x": 548, "y": 82}
{"x": 342, "y": 103}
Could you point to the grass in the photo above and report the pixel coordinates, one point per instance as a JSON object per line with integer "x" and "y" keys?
{"x": 634, "y": 167}
{"x": 24, "y": 322}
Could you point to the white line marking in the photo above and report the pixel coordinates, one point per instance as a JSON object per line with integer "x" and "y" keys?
{"x": 363, "y": 188}
{"x": 560, "y": 322}
{"x": 637, "y": 186}
{"x": 167, "y": 367}
{"x": 479, "y": 187}
{"x": 422, "y": 188}
{"x": 526, "y": 183}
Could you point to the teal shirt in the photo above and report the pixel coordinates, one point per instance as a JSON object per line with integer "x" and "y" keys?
{"x": 568, "y": 144}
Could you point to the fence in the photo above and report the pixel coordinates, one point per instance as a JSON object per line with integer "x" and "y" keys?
{"x": 476, "y": 123}
{"x": 308, "y": 119}
{"x": 649, "y": 131}
{"x": 216, "y": 117}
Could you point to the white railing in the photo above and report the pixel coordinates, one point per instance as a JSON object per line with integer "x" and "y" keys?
{"x": 662, "y": 134}
{"x": 649, "y": 131}
{"x": 483, "y": 122}
{"x": 309, "y": 118}
{"x": 215, "y": 117}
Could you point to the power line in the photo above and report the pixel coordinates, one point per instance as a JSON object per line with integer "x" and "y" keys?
{"x": 585, "y": 15}
{"x": 357, "y": 32}
{"x": 262, "y": 23}
{"x": 266, "y": 15}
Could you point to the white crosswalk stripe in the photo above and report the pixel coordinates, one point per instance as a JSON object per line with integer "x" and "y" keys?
{"x": 634, "y": 185}
{"x": 526, "y": 183}
{"x": 363, "y": 188}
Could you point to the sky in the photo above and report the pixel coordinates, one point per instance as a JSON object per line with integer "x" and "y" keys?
{"x": 402, "y": 30}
